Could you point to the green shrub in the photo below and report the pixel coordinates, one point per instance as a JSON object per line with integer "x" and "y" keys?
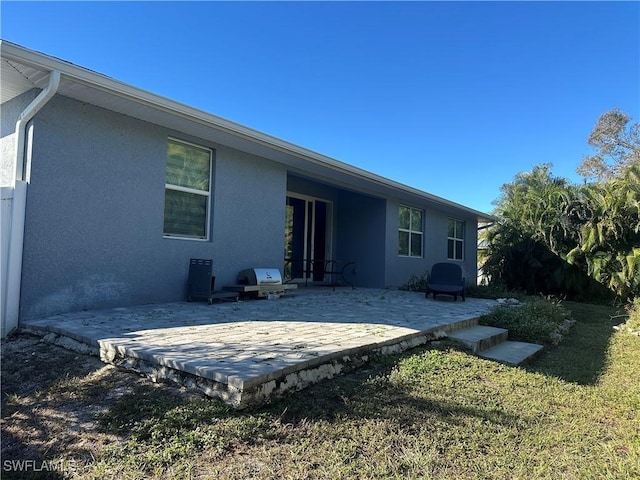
{"x": 416, "y": 283}
{"x": 633, "y": 322}
{"x": 538, "y": 321}
{"x": 492, "y": 292}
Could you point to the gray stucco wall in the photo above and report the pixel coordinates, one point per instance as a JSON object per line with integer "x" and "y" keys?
{"x": 248, "y": 215}
{"x": 470, "y": 266}
{"x": 437, "y": 231}
{"x": 358, "y": 229}
{"x": 366, "y": 230}
{"x": 7, "y": 156}
{"x": 95, "y": 208}
{"x": 399, "y": 269}
{"x": 361, "y": 224}
{"x": 308, "y": 187}
{"x": 11, "y": 110}
{"x": 95, "y": 205}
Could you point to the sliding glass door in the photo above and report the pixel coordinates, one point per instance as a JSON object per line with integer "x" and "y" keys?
{"x": 307, "y": 237}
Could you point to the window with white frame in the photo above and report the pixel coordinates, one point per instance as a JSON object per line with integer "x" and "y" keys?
{"x": 187, "y": 190}
{"x": 410, "y": 232}
{"x": 455, "y": 240}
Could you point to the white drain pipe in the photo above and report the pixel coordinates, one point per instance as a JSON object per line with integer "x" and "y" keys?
{"x": 11, "y": 291}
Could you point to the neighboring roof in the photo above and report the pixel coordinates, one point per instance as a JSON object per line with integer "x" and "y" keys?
{"x": 24, "y": 69}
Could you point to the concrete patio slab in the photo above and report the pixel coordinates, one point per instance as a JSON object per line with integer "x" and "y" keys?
{"x": 249, "y": 352}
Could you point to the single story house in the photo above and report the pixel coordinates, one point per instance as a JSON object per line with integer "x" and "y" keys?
{"x": 109, "y": 190}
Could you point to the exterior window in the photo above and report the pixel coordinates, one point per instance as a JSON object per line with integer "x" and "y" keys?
{"x": 410, "y": 232}
{"x": 455, "y": 240}
{"x": 187, "y": 190}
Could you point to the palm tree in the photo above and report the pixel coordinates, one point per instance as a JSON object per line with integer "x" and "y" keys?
{"x": 609, "y": 240}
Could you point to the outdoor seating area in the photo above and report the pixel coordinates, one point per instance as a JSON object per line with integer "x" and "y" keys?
{"x": 326, "y": 272}
{"x": 250, "y": 352}
{"x": 446, "y": 279}
{"x": 251, "y": 283}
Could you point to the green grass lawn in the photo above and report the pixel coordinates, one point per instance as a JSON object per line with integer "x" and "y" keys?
{"x": 433, "y": 412}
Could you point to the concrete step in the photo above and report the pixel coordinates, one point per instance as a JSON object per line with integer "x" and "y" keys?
{"x": 461, "y": 324}
{"x": 479, "y": 337}
{"x": 512, "y": 353}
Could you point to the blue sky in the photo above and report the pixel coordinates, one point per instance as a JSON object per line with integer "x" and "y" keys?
{"x": 453, "y": 98}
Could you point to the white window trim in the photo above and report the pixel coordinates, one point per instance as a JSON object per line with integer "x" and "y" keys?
{"x": 204, "y": 193}
{"x": 409, "y": 231}
{"x": 456, "y": 239}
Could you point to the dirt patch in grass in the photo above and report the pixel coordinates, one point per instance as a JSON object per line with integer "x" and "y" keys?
{"x": 52, "y": 400}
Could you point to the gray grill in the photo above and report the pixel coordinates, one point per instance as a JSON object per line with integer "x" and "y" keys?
{"x": 260, "y": 276}
{"x": 260, "y": 282}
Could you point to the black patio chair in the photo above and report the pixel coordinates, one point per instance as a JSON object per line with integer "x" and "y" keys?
{"x": 201, "y": 282}
{"x": 445, "y": 279}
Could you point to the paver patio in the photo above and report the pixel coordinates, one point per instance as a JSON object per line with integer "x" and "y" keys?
{"x": 249, "y": 352}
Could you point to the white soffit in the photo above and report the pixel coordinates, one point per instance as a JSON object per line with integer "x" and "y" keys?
{"x": 16, "y": 79}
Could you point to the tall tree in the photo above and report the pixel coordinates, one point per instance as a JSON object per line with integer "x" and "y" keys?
{"x": 541, "y": 205}
{"x": 555, "y": 237}
{"x": 609, "y": 239}
{"x": 538, "y": 226}
{"x": 616, "y": 144}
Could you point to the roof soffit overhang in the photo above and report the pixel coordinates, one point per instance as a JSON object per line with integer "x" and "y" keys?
{"x": 23, "y": 69}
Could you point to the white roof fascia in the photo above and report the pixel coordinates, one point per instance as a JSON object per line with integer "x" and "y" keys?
{"x": 102, "y": 82}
